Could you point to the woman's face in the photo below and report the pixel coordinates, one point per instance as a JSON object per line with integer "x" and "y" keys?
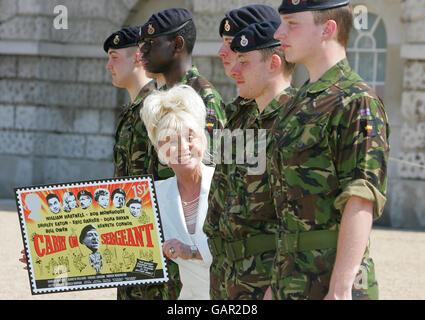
{"x": 72, "y": 202}
{"x": 183, "y": 152}
{"x": 103, "y": 201}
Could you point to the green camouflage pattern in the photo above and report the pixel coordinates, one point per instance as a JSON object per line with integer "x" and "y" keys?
{"x": 135, "y": 155}
{"x": 132, "y": 149}
{"x": 241, "y": 206}
{"x": 331, "y": 145}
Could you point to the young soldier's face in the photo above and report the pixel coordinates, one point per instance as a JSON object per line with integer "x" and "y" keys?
{"x": 300, "y": 37}
{"x": 228, "y": 57}
{"x": 121, "y": 64}
{"x": 249, "y": 73}
{"x": 157, "y": 54}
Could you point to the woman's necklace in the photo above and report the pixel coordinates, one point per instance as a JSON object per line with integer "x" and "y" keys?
{"x": 190, "y": 210}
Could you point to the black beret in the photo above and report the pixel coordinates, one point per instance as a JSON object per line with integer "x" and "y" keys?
{"x": 237, "y": 19}
{"x": 165, "y": 22}
{"x": 126, "y": 37}
{"x": 86, "y": 229}
{"x": 84, "y": 193}
{"x": 256, "y": 36}
{"x": 292, "y": 6}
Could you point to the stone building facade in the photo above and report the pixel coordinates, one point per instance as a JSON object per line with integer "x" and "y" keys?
{"x": 58, "y": 109}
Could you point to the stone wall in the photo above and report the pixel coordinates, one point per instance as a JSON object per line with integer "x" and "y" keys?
{"x": 408, "y": 192}
{"x": 57, "y": 105}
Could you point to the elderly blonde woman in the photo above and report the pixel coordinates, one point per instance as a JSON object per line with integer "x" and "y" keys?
{"x": 175, "y": 121}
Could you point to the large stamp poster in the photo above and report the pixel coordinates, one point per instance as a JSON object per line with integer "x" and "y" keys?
{"x": 92, "y": 234}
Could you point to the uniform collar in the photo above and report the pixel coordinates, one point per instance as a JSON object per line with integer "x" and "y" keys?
{"x": 193, "y": 71}
{"x": 275, "y": 104}
{"x": 146, "y": 89}
{"x": 330, "y": 77}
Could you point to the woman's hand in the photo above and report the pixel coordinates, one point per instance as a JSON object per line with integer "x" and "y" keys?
{"x": 24, "y": 259}
{"x": 174, "y": 248}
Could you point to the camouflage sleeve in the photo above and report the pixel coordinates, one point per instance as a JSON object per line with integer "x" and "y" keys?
{"x": 361, "y": 157}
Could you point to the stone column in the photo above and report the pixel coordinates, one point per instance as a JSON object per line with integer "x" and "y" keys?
{"x": 408, "y": 194}
{"x": 57, "y": 105}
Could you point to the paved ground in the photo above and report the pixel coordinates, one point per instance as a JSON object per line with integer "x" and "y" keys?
{"x": 399, "y": 257}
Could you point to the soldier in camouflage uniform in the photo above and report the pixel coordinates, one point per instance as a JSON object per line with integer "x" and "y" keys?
{"x": 329, "y": 167}
{"x": 167, "y": 41}
{"x": 234, "y": 21}
{"x": 168, "y": 38}
{"x": 127, "y": 72}
{"x": 241, "y": 221}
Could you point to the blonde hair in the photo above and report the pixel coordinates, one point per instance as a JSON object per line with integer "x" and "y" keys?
{"x": 165, "y": 113}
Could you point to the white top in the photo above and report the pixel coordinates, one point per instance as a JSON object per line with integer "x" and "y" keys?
{"x": 194, "y": 273}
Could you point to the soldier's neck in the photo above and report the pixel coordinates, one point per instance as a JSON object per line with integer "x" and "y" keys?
{"x": 272, "y": 91}
{"x": 135, "y": 86}
{"x": 177, "y": 71}
{"x": 322, "y": 60}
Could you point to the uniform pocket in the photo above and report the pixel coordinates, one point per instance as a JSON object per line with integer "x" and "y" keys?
{"x": 307, "y": 161}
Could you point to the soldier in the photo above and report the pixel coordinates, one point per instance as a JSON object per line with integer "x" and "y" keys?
{"x": 241, "y": 222}
{"x": 330, "y": 162}
{"x": 240, "y": 108}
{"x": 133, "y": 152}
{"x": 132, "y": 146}
{"x": 233, "y": 22}
{"x": 168, "y": 38}
{"x": 167, "y": 41}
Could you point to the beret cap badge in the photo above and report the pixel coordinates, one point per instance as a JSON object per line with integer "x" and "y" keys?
{"x": 244, "y": 41}
{"x": 116, "y": 39}
{"x": 227, "y": 26}
{"x": 151, "y": 30}
{"x": 295, "y": 2}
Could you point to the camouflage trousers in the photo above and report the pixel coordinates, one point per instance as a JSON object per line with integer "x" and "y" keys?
{"x": 246, "y": 279}
{"x": 306, "y": 275}
{"x": 164, "y": 291}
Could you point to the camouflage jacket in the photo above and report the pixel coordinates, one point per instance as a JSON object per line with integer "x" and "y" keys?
{"x": 132, "y": 149}
{"x": 331, "y": 144}
{"x": 240, "y": 203}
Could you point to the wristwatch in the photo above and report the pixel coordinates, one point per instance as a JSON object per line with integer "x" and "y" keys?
{"x": 194, "y": 251}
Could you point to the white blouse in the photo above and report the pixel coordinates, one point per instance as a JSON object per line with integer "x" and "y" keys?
{"x": 194, "y": 273}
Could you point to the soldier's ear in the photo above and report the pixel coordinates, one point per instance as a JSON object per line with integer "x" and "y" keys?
{"x": 275, "y": 63}
{"x": 329, "y": 30}
{"x": 179, "y": 44}
{"x": 137, "y": 58}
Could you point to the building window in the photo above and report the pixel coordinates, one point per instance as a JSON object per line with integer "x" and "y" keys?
{"x": 367, "y": 53}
